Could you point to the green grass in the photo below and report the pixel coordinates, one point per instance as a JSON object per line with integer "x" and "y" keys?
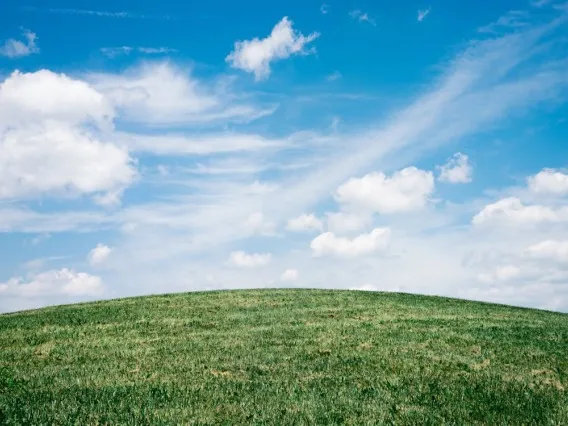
{"x": 284, "y": 357}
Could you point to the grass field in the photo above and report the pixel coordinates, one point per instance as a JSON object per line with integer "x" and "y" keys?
{"x": 284, "y": 357}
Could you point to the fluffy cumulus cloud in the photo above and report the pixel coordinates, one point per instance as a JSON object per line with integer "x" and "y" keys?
{"x": 242, "y": 259}
{"x": 58, "y": 159}
{"x": 341, "y": 222}
{"x": 289, "y": 275}
{"x": 406, "y": 190}
{"x": 99, "y": 254}
{"x": 64, "y": 282}
{"x": 52, "y": 131}
{"x": 549, "y": 181}
{"x": 13, "y": 48}
{"x": 44, "y": 95}
{"x": 256, "y": 55}
{"x": 512, "y": 211}
{"x": 305, "y": 222}
{"x": 330, "y": 244}
{"x": 456, "y": 170}
{"x": 549, "y": 250}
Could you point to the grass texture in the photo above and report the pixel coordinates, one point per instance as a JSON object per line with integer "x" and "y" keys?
{"x": 284, "y": 357}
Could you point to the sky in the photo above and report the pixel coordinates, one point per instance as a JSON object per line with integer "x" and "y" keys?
{"x": 157, "y": 147}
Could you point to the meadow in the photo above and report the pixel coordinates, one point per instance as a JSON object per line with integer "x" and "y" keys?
{"x": 284, "y": 357}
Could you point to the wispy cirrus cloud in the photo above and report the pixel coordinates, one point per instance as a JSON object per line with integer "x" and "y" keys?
{"x": 360, "y": 16}
{"x": 513, "y": 19}
{"x": 540, "y": 3}
{"x": 96, "y": 13}
{"x": 336, "y": 75}
{"x": 422, "y": 14}
{"x": 155, "y": 94}
{"x": 13, "y": 48}
{"x": 112, "y": 52}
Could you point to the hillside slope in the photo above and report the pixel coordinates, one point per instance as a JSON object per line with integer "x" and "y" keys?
{"x": 284, "y": 357}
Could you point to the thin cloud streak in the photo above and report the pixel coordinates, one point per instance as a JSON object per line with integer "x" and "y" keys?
{"x": 422, "y": 14}
{"x": 98, "y": 13}
{"x": 113, "y": 52}
{"x": 115, "y": 14}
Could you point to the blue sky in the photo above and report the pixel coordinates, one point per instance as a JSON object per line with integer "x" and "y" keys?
{"x": 151, "y": 147}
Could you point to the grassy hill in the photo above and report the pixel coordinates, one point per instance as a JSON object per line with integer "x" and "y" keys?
{"x": 284, "y": 357}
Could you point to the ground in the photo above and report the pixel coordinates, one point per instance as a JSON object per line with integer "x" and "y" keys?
{"x": 284, "y": 357}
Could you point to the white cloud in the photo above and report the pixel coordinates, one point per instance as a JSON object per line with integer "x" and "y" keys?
{"x": 64, "y": 282}
{"x": 16, "y": 48}
{"x": 156, "y": 50}
{"x": 336, "y": 75}
{"x": 514, "y": 19}
{"x": 407, "y": 189}
{"x": 162, "y": 94}
{"x": 50, "y": 139}
{"x": 229, "y": 166}
{"x": 536, "y": 276}
{"x": 347, "y": 222}
{"x": 374, "y": 287}
{"x": 289, "y": 275}
{"x": 549, "y": 181}
{"x": 512, "y": 211}
{"x": 549, "y": 249}
{"x": 112, "y": 52}
{"x": 254, "y": 56}
{"x": 329, "y": 244}
{"x": 109, "y": 198}
{"x": 456, "y": 170}
{"x": 324, "y": 9}
{"x": 362, "y": 17}
{"x": 99, "y": 254}
{"x": 305, "y": 222}
{"x": 260, "y": 188}
{"x": 198, "y": 144}
{"x": 99, "y": 13}
{"x": 38, "y": 239}
{"x": 258, "y": 224}
{"x": 241, "y": 259}
{"x": 57, "y": 159}
{"x": 27, "y": 220}
{"x": 540, "y": 3}
{"x": 335, "y": 121}
{"x": 501, "y": 274}
{"x": 44, "y": 95}
{"x": 34, "y": 264}
{"x": 422, "y": 14}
